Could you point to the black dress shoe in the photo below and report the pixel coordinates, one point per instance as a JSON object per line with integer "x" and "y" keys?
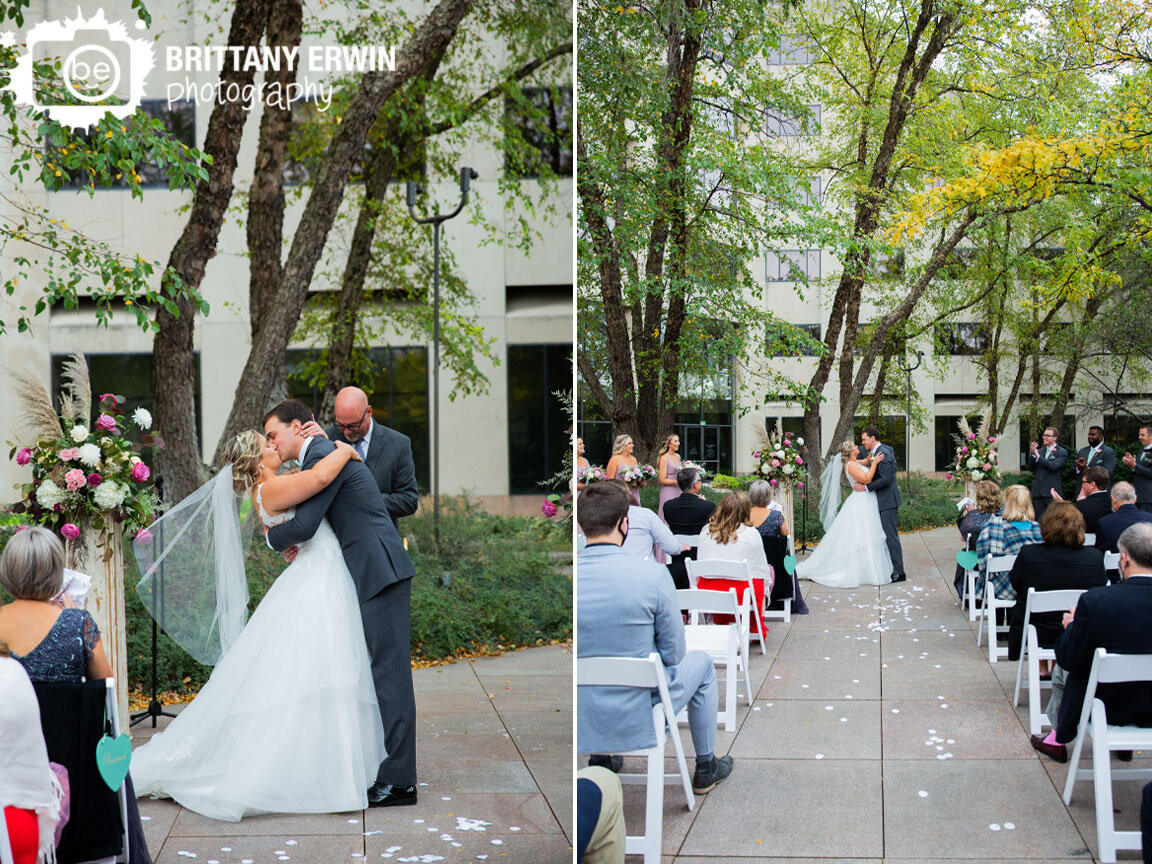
{"x": 391, "y": 795}
{"x": 900, "y": 578}
{"x": 1058, "y": 752}
{"x": 614, "y": 763}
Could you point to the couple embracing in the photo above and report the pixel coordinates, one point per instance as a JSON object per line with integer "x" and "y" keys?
{"x": 861, "y": 544}
{"x": 310, "y": 708}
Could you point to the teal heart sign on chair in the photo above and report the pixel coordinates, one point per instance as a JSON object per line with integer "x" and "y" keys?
{"x": 790, "y": 564}
{"x": 112, "y": 758}
{"x": 967, "y": 560}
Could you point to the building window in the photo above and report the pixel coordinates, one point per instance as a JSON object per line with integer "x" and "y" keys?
{"x": 538, "y": 435}
{"x": 1121, "y": 430}
{"x": 782, "y": 341}
{"x": 783, "y": 125}
{"x": 792, "y": 265}
{"x": 893, "y": 432}
{"x": 792, "y": 52}
{"x": 544, "y": 118}
{"x": 397, "y": 390}
{"x": 963, "y": 339}
{"x": 130, "y": 376}
{"x": 179, "y": 119}
{"x": 947, "y": 428}
{"x": 705, "y": 430}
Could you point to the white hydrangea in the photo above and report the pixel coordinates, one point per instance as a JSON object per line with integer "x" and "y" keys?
{"x": 79, "y": 433}
{"x": 973, "y": 462}
{"x": 788, "y": 469}
{"x": 109, "y": 495}
{"x": 132, "y": 460}
{"x": 49, "y": 494}
{"x": 977, "y": 475}
{"x": 800, "y": 441}
{"x": 89, "y": 455}
{"x": 142, "y": 418}
{"x": 765, "y": 469}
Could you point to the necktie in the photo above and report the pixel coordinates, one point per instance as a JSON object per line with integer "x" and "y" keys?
{"x": 360, "y": 448}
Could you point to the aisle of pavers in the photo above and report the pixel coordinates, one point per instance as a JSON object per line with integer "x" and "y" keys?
{"x": 494, "y": 755}
{"x": 880, "y": 732}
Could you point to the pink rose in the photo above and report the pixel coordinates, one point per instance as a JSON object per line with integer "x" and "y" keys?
{"x": 787, "y": 443}
{"x": 24, "y": 456}
{"x": 548, "y": 509}
{"x": 756, "y": 455}
{"x": 140, "y": 472}
{"x": 991, "y": 439}
{"x": 799, "y": 461}
{"x": 963, "y": 449}
{"x": 773, "y": 482}
{"x": 69, "y": 530}
{"x": 143, "y": 536}
{"x": 95, "y": 479}
{"x": 75, "y": 479}
{"x": 775, "y": 463}
{"x": 105, "y": 397}
{"x": 971, "y": 436}
{"x": 69, "y": 453}
{"x": 106, "y": 422}
{"x": 799, "y": 484}
{"x": 987, "y": 466}
{"x": 947, "y": 476}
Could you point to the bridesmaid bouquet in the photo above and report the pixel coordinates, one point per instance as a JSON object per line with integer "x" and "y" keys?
{"x": 592, "y": 474}
{"x": 778, "y": 460}
{"x": 976, "y": 457}
{"x": 637, "y": 475}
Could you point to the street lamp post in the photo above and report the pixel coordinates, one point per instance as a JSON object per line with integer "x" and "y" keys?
{"x": 467, "y": 175}
{"x": 909, "y": 368}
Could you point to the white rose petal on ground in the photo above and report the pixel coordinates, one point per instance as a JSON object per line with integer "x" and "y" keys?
{"x": 922, "y": 793}
{"x": 1010, "y": 826}
{"x": 993, "y": 827}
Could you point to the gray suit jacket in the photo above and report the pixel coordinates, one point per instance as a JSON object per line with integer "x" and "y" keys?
{"x": 1049, "y": 471}
{"x": 627, "y": 608}
{"x": 884, "y": 483}
{"x": 1105, "y": 459}
{"x": 372, "y": 549}
{"x": 389, "y": 458}
{"x": 1142, "y": 477}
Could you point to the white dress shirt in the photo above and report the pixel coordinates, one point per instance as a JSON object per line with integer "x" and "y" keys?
{"x": 644, "y": 529}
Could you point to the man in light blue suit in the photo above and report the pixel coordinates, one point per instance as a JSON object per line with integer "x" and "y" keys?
{"x": 628, "y": 608}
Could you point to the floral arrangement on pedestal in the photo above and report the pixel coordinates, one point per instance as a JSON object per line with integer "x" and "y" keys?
{"x": 84, "y": 469}
{"x": 636, "y": 475}
{"x": 778, "y": 460}
{"x": 976, "y": 456}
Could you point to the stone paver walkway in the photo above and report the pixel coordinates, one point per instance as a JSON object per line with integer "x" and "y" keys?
{"x": 880, "y": 732}
{"x": 493, "y": 744}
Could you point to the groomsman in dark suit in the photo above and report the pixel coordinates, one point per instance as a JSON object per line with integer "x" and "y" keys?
{"x": 1141, "y": 465}
{"x": 1096, "y": 453}
{"x": 1047, "y": 461}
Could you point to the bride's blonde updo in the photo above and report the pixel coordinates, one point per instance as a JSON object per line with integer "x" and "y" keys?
{"x": 846, "y": 451}
{"x": 244, "y": 452}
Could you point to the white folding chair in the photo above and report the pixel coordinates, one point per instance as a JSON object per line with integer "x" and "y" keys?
{"x": 647, "y": 674}
{"x": 994, "y": 564}
{"x": 722, "y": 643}
{"x": 1109, "y": 669}
{"x": 1089, "y": 539}
{"x": 1111, "y": 561}
{"x": 736, "y": 571}
{"x": 1031, "y": 652}
{"x": 111, "y": 709}
{"x": 692, "y": 540}
{"x": 968, "y": 599}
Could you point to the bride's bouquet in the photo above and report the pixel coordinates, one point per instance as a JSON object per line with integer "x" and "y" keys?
{"x": 976, "y": 457}
{"x": 778, "y": 459}
{"x": 82, "y": 470}
{"x": 637, "y": 475}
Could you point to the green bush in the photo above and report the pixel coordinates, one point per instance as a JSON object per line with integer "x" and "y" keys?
{"x": 505, "y": 590}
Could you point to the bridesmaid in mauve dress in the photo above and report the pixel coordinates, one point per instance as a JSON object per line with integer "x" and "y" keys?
{"x": 667, "y": 464}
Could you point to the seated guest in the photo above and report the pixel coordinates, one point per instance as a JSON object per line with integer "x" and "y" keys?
{"x": 972, "y": 521}
{"x": 628, "y": 608}
{"x": 1114, "y": 618}
{"x": 1096, "y": 503}
{"x": 1062, "y": 561}
{"x": 1004, "y": 535}
{"x": 30, "y": 795}
{"x": 1124, "y": 513}
{"x": 686, "y": 514}
{"x": 729, "y": 536}
{"x": 599, "y": 817}
{"x": 768, "y": 521}
{"x": 646, "y": 529}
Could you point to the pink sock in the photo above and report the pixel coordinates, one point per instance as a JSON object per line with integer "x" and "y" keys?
{"x": 1051, "y": 739}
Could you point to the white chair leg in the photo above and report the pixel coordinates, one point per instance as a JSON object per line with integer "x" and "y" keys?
{"x": 787, "y": 610}
{"x": 1074, "y": 763}
{"x": 1035, "y": 716}
{"x": 1102, "y": 783}
{"x": 970, "y": 590}
{"x": 654, "y": 811}
{"x": 1024, "y": 656}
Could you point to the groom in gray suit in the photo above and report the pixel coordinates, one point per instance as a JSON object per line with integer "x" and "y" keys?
{"x": 382, "y": 574}
{"x": 887, "y": 497}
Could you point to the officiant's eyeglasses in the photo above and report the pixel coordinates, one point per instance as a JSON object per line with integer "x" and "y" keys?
{"x": 347, "y": 427}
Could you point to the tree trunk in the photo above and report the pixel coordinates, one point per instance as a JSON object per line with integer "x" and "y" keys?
{"x": 266, "y": 196}
{"x": 173, "y": 358}
{"x": 347, "y": 144}
{"x": 1091, "y": 309}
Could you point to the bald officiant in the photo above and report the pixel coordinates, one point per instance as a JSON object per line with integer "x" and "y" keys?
{"x": 386, "y": 452}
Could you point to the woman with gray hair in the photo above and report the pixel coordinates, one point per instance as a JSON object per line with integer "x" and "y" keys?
{"x": 768, "y": 520}
{"x": 53, "y": 642}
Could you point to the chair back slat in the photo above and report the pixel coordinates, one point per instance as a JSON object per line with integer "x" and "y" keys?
{"x": 616, "y": 671}
{"x": 999, "y": 563}
{"x": 715, "y": 569}
{"x": 692, "y": 540}
{"x": 1120, "y": 668}
{"x": 1089, "y": 539}
{"x": 1111, "y": 560}
{"x": 1051, "y": 601}
{"x": 702, "y": 600}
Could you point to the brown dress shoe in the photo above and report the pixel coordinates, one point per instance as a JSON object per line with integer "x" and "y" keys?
{"x": 1053, "y": 751}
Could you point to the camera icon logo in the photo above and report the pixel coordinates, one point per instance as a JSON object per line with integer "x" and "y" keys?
{"x": 101, "y": 68}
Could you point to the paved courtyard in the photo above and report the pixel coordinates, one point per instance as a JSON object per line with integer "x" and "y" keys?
{"x": 880, "y": 732}
{"x": 494, "y": 753}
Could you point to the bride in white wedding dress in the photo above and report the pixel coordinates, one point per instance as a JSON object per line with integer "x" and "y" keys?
{"x": 288, "y": 721}
{"x": 853, "y": 551}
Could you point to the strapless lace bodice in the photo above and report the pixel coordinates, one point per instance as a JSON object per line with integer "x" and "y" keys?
{"x": 266, "y": 517}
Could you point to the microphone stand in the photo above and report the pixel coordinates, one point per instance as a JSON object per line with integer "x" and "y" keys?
{"x": 155, "y": 706}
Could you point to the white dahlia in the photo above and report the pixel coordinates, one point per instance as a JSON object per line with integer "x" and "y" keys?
{"x": 89, "y": 454}
{"x": 973, "y": 462}
{"x": 142, "y": 418}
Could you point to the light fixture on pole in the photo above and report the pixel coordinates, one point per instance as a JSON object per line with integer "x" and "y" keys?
{"x": 467, "y": 175}
{"x": 909, "y": 368}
